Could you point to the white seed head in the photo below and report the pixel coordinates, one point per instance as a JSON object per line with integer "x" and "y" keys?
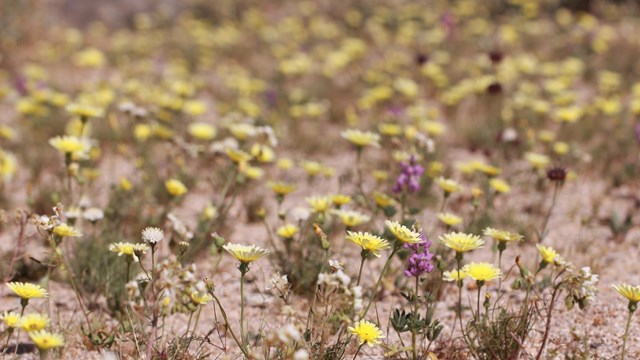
{"x": 152, "y": 235}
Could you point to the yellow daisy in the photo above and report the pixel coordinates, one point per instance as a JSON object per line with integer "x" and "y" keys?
{"x": 351, "y": 218}
{"x": 481, "y": 271}
{"x": 367, "y": 332}
{"x": 319, "y": 204}
{"x": 200, "y": 298}
{"x": 66, "y": 230}
{"x": 202, "y": 131}
{"x": 632, "y": 293}
{"x": 33, "y": 322}
{"x": 447, "y": 185}
{"x": 69, "y": 144}
{"x": 461, "y": 242}
{"x": 27, "y": 290}
{"x": 130, "y": 249}
{"x": 288, "y": 231}
{"x": 11, "y": 319}
{"x": 361, "y": 138}
{"x": 403, "y": 233}
{"x": 449, "y": 219}
{"x": 368, "y": 242}
{"x": 281, "y": 188}
{"x": 245, "y": 253}
{"x": 175, "y": 187}
{"x": 502, "y": 235}
{"x": 453, "y": 275}
{"x": 339, "y": 199}
{"x": 547, "y": 253}
{"x": 45, "y": 340}
{"x": 499, "y": 185}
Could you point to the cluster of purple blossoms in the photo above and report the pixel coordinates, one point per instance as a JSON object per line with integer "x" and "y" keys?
{"x": 409, "y": 178}
{"x": 420, "y": 258}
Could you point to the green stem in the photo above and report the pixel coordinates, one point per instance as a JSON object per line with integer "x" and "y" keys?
{"x": 361, "y": 266}
{"x": 478, "y": 301}
{"x": 242, "y": 334}
{"x": 382, "y": 273}
{"x": 228, "y": 326}
{"x": 415, "y": 311}
{"x": 626, "y": 335}
{"x": 543, "y": 234}
{"x": 357, "y": 351}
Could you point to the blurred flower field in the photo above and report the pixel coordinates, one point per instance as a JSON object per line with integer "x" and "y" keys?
{"x": 319, "y": 180}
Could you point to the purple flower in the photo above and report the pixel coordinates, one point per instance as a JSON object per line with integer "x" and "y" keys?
{"x": 409, "y": 178}
{"x": 420, "y": 259}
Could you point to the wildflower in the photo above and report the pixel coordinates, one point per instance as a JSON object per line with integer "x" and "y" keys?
{"x": 368, "y": 242}
{"x": 402, "y": 233}
{"x": 63, "y": 230}
{"x": 456, "y": 275}
{"x": 409, "y": 178}
{"x": 175, "y": 187}
{"x": 502, "y": 235}
{"x": 351, "y": 218}
{"x": 242, "y": 131}
{"x": 449, "y": 219}
{"x": 93, "y": 214}
{"x": 420, "y": 259}
{"x": 27, "y": 290}
{"x": 245, "y": 253}
{"x": 448, "y": 186}
{"x": 389, "y": 129}
{"x": 33, "y": 322}
{"x": 152, "y": 235}
{"x": 288, "y": 231}
{"x": 557, "y": 174}
{"x": 382, "y": 200}
{"x": 125, "y": 184}
{"x": 339, "y": 199}
{"x": 461, "y": 242}
{"x": 499, "y": 185}
{"x": 45, "y": 340}
{"x": 11, "y": 319}
{"x": 632, "y": 293}
{"x": 200, "y": 298}
{"x": 361, "y": 138}
{"x": 367, "y": 333}
{"x": 130, "y": 249}
{"x": 238, "y": 156}
{"x": 69, "y": 145}
{"x": 253, "y": 173}
{"x": 312, "y": 168}
{"x": 548, "y": 254}
{"x": 281, "y": 188}
{"x": 320, "y": 204}
{"x": 481, "y": 271}
{"x": 202, "y": 131}
{"x": 85, "y": 111}
{"x": 262, "y": 153}
{"x": 538, "y": 161}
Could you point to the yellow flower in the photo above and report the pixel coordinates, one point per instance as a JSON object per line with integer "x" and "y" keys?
{"x": 281, "y": 188}
{"x": 380, "y": 175}
{"x": 130, "y": 249}
{"x": 502, "y": 235}
{"x": 560, "y": 148}
{"x": 66, "y": 230}
{"x": 11, "y": 319}
{"x": 27, "y": 290}
{"x": 69, "y": 144}
{"x": 253, "y": 172}
{"x": 312, "y": 168}
{"x": 34, "y": 322}
{"x": 538, "y": 161}
{"x": 245, "y": 253}
{"x": 45, "y": 340}
{"x": 632, "y": 293}
{"x": 262, "y": 153}
{"x": 202, "y": 131}
{"x": 142, "y": 132}
{"x": 368, "y": 242}
{"x": 489, "y": 170}
{"x": 361, "y": 138}
{"x": 242, "y": 131}
{"x": 339, "y": 199}
{"x": 547, "y": 253}
{"x": 449, "y": 219}
{"x": 285, "y": 164}
{"x": 351, "y": 218}
{"x": 481, "y": 271}
{"x": 367, "y": 333}
{"x": 85, "y": 111}
{"x": 200, "y": 298}
{"x": 91, "y": 58}
{"x": 403, "y": 233}
{"x": 389, "y": 129}
{"x": 461, "y": 242}
{"x": 499, "y": 185}
{"x": 238, "y": 156}
{"x": 447, "y": 185}
{"x": 288, "y": 231}
{"x": 382, "y": 200}
{"x": 453, "y": 275}
{"x": 125, "y": 184}
{"x": 319, "y": 204}
{"x": 175, "y": 187}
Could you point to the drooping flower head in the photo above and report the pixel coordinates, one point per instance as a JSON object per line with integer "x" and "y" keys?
{"x": 369, "y": 242}
{"x": 632, "y": 293}
{"x": 403, "y": 233}
{"x": 461, "y": 242}
{"x": 367, "y": 333}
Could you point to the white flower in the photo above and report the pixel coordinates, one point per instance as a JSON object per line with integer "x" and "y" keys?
{"x": 152, "y": 235}
{"x": 300, "y": 213}
{"x": 301, "y": 354}
{"x": 93, "y": 214}
{"x": 289, "y": 334}
{"x": 277, "y": 282}
{"x": 335, "y": 265}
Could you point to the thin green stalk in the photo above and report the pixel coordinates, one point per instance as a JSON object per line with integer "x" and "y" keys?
{"x": 242, "y": 334}
{"x": 228, "y": 326}
{"x": 415, "y": 311}
{"x": 361, "y": 266}
{"x": 357, "y": 352}
{"x": 382, "y": 273}
{"x": 543, "y": 234}
{"x": 626, "y": 335}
